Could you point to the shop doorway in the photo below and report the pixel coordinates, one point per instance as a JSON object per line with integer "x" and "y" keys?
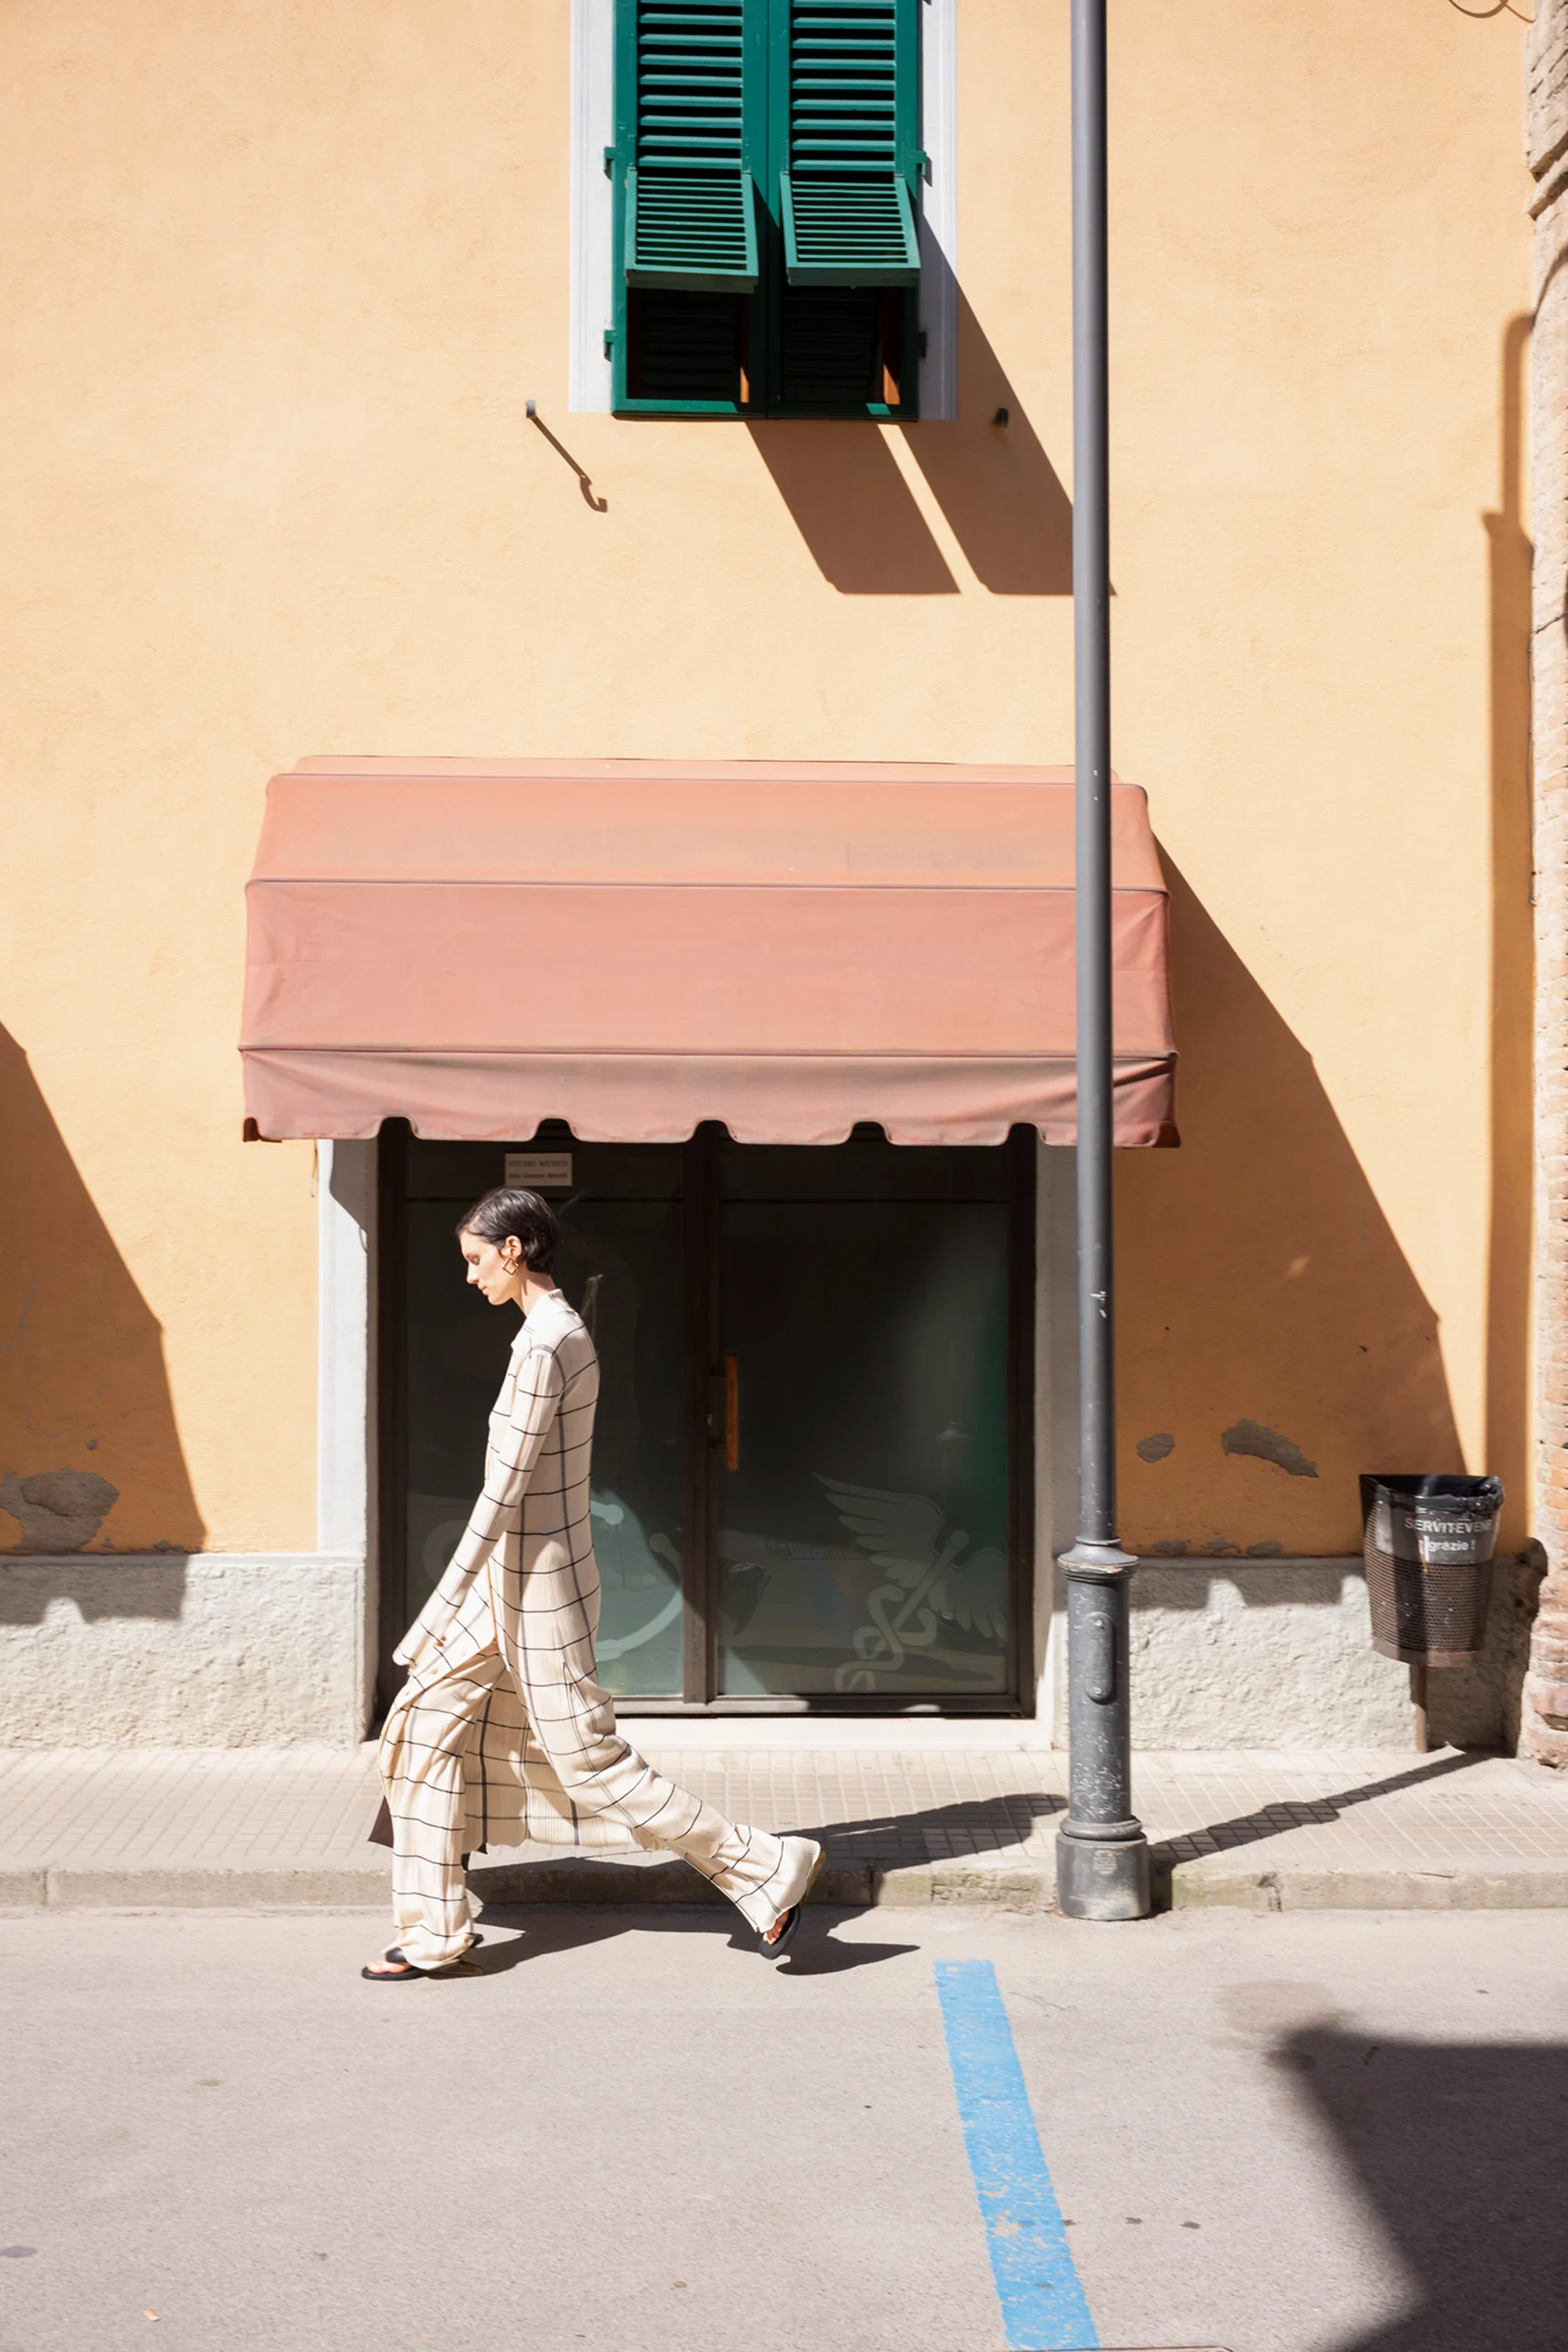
{"x": 812, "y": 1465}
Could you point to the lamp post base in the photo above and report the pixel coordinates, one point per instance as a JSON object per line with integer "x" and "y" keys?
{"x": 1103, "y": 1872}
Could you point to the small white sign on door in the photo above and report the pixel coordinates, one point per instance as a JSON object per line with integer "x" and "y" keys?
{"x": 539, "y": 1172}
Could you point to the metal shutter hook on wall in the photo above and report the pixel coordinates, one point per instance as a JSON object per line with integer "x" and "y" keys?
{"x": 600, "y": 505}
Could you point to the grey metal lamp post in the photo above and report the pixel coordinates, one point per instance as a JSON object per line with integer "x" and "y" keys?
{"x": 1102, "y": 1856}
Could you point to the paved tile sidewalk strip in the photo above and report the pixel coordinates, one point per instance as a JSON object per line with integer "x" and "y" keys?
{"x": 914, "y": 1822}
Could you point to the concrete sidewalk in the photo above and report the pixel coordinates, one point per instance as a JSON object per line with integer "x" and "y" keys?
{"x": 911, "y": 1813}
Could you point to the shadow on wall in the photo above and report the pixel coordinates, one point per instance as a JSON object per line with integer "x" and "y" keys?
{"x": 998, "y": 490}
{"x": 854, "y": 509}
{"x": 1509, "y": 559}
{"x": 87, "y": 1434}
{"x": 1002, "y": 497}
{"x": 98, "y": 1585}
{"x": 1457, "y": 2150}
{"x": 1289, "y": 1302}
{"x": 1263, "y": 1288}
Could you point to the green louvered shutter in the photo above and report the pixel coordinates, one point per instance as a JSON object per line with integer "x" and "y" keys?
{"x": 690, "y": 211}
{"x": 847, "y": 192}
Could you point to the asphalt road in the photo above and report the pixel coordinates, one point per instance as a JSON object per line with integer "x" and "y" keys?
{"x": 1300, "y": 2131}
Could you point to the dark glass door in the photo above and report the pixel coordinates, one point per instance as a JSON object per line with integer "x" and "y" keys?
{"x": 862, "y": 1488}
{"x": 810, "y": 1464}
{"x": 620, "y": 1266}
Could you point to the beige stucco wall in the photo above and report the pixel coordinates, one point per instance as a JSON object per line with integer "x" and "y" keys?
{"x": 278, "y": 279}
{"x": 1545, "y": 1694}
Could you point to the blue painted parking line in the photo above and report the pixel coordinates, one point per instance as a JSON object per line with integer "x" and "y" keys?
{"x": 1042, "y": 2301}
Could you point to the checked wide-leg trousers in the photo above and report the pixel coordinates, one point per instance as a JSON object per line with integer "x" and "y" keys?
{"x": 428, "y": 1749}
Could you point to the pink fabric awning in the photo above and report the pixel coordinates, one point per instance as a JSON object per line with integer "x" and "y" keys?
{"x": 637, "y": 945}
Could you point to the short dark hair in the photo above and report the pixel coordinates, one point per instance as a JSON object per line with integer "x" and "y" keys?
{"x": 509, "y": 1214}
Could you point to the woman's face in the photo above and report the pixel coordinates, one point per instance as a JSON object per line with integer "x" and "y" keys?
{"x": 498, "y": 1272}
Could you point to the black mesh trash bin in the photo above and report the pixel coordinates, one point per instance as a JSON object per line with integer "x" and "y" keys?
{"x": 1428, "y": 1544}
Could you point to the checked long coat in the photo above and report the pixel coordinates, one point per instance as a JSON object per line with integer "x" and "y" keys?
{"x": 541, "y": 1434}
{"x": 502, "y": 1734}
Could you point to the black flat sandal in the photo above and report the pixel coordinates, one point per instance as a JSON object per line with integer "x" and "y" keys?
{"x": 785, "y": 1934}
{"x": 793, "y": 1915}
{"x": 405, "y": 1969}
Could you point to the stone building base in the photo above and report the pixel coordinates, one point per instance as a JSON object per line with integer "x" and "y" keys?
{"x": 244, "y": 1650}
{"x": 169, "y": 1649}
{"x": 1230, "y": 1654}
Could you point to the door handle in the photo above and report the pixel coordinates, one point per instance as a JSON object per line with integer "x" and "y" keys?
{"x": 732, "y": 1412}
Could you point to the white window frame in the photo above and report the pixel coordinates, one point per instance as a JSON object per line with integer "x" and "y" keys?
{"x": 346, "y": 1406}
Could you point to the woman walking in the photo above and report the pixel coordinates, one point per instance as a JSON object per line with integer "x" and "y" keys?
{"x": 502, "y": 1729}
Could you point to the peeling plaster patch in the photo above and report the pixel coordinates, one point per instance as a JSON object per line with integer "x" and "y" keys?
{"x": 1170, "y": 1550}
{"x": 58, "y": 1510}
{"x": 1154, "y": 1449}
{"x": 1267, "y": 1445}
{"x": 1264, "y": 1551}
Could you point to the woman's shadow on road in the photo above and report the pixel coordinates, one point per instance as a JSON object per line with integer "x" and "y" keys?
{"x": 857, "y": 1850}
{"x": 544, "y": 1928}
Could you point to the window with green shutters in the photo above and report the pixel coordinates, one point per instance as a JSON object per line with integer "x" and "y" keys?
{"x": 766, "y": 170}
